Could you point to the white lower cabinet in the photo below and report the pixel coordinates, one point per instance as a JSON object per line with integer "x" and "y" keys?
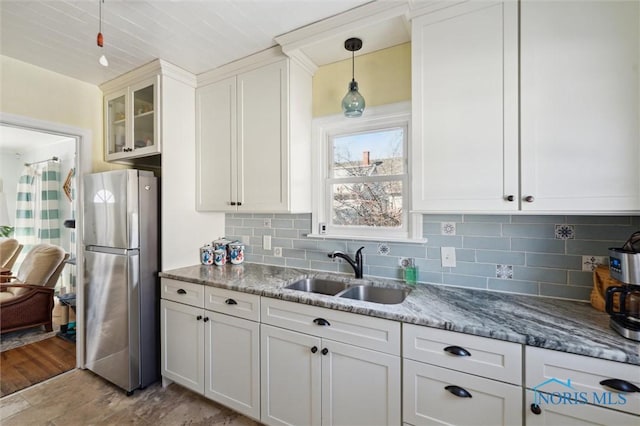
{"x": 434, "y": 395}
{"x": 312, "y": 379}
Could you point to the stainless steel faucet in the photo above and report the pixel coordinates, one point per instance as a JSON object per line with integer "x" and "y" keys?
{"x": 356, "y": 265}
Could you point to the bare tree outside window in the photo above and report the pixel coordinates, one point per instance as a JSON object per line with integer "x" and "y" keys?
{"x": 366, "y": 179}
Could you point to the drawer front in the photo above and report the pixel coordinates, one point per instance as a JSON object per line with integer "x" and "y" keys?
{"x": 367, "y": 332}
{"x": 182, "y": 292}
{"x": 491, "y": 358}
{"x": 234, "y": 303}
{"x": 578, "y": 377}
{"x": 426, "y": 401}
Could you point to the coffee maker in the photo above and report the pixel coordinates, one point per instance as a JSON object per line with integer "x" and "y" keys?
{"x": 624, "y": 266}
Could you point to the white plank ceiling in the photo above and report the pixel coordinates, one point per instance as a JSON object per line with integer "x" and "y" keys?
{"x": 196, "y": 35}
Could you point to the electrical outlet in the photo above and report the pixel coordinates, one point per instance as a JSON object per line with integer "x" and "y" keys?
{"x": 277, "y": 251}
{"x": 322, "y": 228}
{"x": 448, "y": 255}
{"x": 267, "y": 223}
{"x": 266, "y": 242}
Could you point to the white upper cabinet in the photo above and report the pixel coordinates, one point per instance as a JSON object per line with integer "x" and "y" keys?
{"x": 253, "y": 138}
{"x": 465, "y": 97}
{"x": 580, "y": 105}
{"x": 568, "y": 140}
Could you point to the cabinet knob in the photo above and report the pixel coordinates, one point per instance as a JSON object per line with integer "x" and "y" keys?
{"x": 325, "y": 351}
{"x": 239, "y": 203}
{"x": 535, "y": 409}
{"x": 199, "y": 317}
{"x": 510, "y": 198}
{"x": 182, "y": 291}
{"x": 529, "y": 199}
{"x": 206, "y": 319}
{"x": 458, "y": 391}
{"x": 457, "y": 350}
{"x": 230, "y": 302}
{"x": 620, "y": 385}
{"x": 314, "y": 349}
{"x": 321, "y": 321}
{"x": 233, "y": 203}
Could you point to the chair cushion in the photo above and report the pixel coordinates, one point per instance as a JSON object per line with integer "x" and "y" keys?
{"x": 40, "y": 263}
{"x": 7, "y": 295}
{"x": 8, "y": 247}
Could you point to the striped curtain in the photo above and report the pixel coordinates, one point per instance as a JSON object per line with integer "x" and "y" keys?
{"x": 48, "y": 218}
{"x": 25, "y": 222}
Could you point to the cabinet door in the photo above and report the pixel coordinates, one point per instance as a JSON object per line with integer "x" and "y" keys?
{"x": 359, "y": 386}
{"x": 426, "y": 401}
{"x": 465, "y": 106}
{"x": 573, "y": 414}
{"x": 216, "y": 174}
{"x": 115, "y": 124}
{"x": 263, "y": 139}
{"x": 290, "y": 371}
{"x": 145, "y": 118}
{"x": 182, "y": 344}
{"x": 232, "y": 363}
{"x": 580, "y": 98}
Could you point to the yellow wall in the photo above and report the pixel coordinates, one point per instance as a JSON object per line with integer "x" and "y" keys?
{"x": 35, "y": 92}
{"x": 383, "y": 77}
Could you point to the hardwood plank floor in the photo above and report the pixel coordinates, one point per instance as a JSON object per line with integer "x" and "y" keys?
{"x": 24, "y": 366}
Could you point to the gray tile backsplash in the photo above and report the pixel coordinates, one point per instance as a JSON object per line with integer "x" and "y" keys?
{"x": 541, "y": 258}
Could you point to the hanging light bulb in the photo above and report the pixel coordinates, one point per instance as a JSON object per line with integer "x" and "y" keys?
{"x": 353, "y": 102}
{"x": 100, "y": 40}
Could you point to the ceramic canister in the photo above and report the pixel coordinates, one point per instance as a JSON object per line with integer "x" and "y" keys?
{"x": 237, "y": 253}
{"x": 206, "y": 255}
{"x": 220, "y": 257}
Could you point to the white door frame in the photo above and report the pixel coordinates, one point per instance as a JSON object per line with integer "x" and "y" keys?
{"x": 84, "y": 148}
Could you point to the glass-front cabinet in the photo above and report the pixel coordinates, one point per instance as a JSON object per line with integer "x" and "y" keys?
{"x": 132, "y": 121}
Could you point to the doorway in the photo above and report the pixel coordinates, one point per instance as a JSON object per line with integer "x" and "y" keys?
{"x": 77, "y": 144}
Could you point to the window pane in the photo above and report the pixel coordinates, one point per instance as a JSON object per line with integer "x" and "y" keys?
{"x": 376, "y": 204}
{"x": 377, "y": 153}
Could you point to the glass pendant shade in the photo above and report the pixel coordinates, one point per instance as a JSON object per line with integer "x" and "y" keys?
{"x": 353, "y": 102}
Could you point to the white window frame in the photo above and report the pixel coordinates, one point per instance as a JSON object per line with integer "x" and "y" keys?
{"x": 374, "y": 118}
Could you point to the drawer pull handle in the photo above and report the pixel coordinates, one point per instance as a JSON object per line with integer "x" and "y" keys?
{"x": 457, "y": 350}
{"x": 182, "y": 291}
{"x": 314, "y": 349}
{"x": 535, "y": 409}
{"x": 321, "y": 321}
{"x": 325, "y": 351}
{"x": 199, "y": 317}
{"x": 620, "y": 385}
{"x": 230, "y": 302}
{"x": 458, "y": 391}
{"x": 206, "y": 319}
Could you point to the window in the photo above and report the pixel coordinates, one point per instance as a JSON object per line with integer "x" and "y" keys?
{"x": 361, "y": 176}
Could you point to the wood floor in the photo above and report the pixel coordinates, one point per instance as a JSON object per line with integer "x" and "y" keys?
{"x": 24, "y": 366}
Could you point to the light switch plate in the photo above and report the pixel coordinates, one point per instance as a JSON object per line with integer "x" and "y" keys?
{"x": 266, "y": 242}
{"x": 448, "y": 255}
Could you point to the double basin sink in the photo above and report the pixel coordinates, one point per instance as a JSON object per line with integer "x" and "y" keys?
{"x": 367, "y": 293}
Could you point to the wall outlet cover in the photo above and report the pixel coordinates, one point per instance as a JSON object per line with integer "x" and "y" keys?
{"x": 448, "y": 256}
{"x": 267, "y": 223}
{"x": 277, "y": 251}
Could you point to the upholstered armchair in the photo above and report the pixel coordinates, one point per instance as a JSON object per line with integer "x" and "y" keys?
{"x": 10, "y": 249}
{"x": 27, "y": 300}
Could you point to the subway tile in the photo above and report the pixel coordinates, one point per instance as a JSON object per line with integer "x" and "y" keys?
{"x": 230, "y": 221}
{"x": 465, "y": 255}
{"x": 444, "y": 241}
{"x": 238, "y": 230}
{"x": 383, "y": 272}
{"x": 282, "y": 223}
{"x": 432, "y": 265}
{"x": 479, "y": 229}
{"x": 431, "y": 228}
{"x": 519, "y": 219}
{"x": 263, "y": 216}
{"x": 369, "y": 247}
{"x": 302, "y": 224}
{"x": 565, "y": 291}
{"x": 264, "y": 231}
{"x": 488, "y": 218}
{"x": 408, "y": 250}
{"x": 294, "y": 253}
{"x": 599, "y": 220}
{"x": 500, "y": 256}
{"x": 323, "y": 266}
{"x": 255, "y": 258}
{"x": 282, "y": 242}
{"x": 306, "y": 244}
{"x": 554, "y": 261}
{"x": 525, "y": 273}
{"x": 604, "y": 232}
{"x": 513, "y": 286}
{"x": 242, "y": 215}
{"x": 537, "y": 245}
{"x": 477, "y": 269}
{"x": 272, "y": 260}
{"x": 442, "y": 218}
{"x": 591, "y": 248}
{"x": 318, "y": 255}
{"x": 581, "y": 278}
{"x": 297, "y": 263}
{"x": 388, "y": 261}
{"x": 253, "y": 223}
{"x": 328, "y": 246}
{"x": 464, "y": 280}
{"x": 635, "y": 221}
{"x": 287, "y": 233}
{"x": 429, "y": 277}
{"x": 492, "y": 243}
{"x": 529, "y": 230}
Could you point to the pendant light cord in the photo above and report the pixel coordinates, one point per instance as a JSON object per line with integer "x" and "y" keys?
{"x": 101, "y": 1}
{"x": 353, "y": 66}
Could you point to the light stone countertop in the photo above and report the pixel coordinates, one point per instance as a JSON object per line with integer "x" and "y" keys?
{"x": 561, "y": 325}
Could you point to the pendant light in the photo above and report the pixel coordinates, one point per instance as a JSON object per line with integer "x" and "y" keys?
{"x": 353, "y": 102}
{"x": 100, "y": 40}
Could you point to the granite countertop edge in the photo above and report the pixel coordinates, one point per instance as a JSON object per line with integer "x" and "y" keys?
{"x": 556, "y": 324}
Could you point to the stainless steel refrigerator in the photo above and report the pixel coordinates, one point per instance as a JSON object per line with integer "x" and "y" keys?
{"x": 121, "y": 266}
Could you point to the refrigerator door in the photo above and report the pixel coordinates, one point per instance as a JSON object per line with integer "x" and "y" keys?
{"x": 112, "y": 319}
{"x": 111, "y": 209}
